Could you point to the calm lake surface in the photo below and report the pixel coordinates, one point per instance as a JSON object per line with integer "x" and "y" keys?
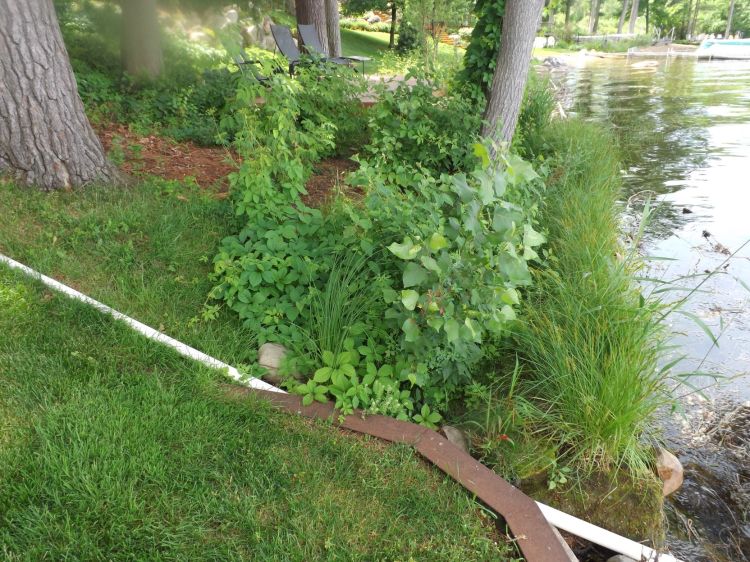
{"x": 684, "y": 131}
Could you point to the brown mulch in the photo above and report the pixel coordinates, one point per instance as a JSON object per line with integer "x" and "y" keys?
{"x": 328, "y": 176}
{"x": 167, "y": 158}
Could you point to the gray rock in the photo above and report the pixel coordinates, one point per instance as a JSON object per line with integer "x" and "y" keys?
{"x": 270, "y": 356}
{"x": 670, "y": 471}
{"x": 455, "y": 436}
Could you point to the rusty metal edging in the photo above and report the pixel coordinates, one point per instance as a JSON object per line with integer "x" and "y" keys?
{"x": 534, "y": 536}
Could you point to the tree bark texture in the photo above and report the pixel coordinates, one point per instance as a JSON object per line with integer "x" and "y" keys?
{"x": 45, "y": 138}
{"x": 567, "y": 11}
{"x": 313, "y": 12}
{"x": 332, "y": 27}
{"x": 512, "y": 68}
{"x": 730, "y": 16}
{"x": 633, "y": 16}
{"x": 623, "y": 12}
{"x": 694, "y": 19}
{"x": 392, "y": 39}
{"x": 140, "y": 44}
{"x": 594, "y": 16}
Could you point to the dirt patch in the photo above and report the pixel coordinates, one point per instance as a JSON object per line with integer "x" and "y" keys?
{"x": 328, "y": 176}
{"x": 166, "y": 158}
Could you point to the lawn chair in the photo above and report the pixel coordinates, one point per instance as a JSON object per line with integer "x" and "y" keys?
{"x": 285, "y": 42}
{"x": 252, "y": 67}
{"x": 312, "y": 45}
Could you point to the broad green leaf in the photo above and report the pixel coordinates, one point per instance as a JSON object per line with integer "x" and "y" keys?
{"x": 531, "y": 237}
{"x": 322, "y": 375}
{"x": 481, "y": 152}
{"x": 430, "y": 263}
{"x": 307, "y": 399}
{"x": 414, "y": 275}
{"x": 405, "y": 251}
{"x": 437, "y": 242}
{"x": 409, "y": 298}
{"x": 411, "y": 330}
{"x": 328, "y": 358}
{"x": 451, "y": 329}
{"x": 474, "y": 329}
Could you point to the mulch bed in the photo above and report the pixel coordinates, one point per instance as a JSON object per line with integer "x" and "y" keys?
{"x": 209, "y": 166}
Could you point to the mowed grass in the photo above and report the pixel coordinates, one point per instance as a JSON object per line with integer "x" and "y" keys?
{"x": 375, "y": 45}
{"x": 113, "y": 447}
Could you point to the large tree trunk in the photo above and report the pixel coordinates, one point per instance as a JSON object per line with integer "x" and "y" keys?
{"x": 45, "y": 137}
{"x": 621, "y": 22}
{"x": 392, "y": 40}
{"x": 313, "y": 12}
{"x": 730, "y": 16}
{"x": 594, "y": 16}
{"x": 633, "y": 16}
{"x": 512, "y": 68}
{"x": 332, "y": 27}
{"x": 567, "y": 11}
{"x": 140, "y": 45}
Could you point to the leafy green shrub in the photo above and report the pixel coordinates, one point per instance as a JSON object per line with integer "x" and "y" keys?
{"x": 413, "y": 129}
{"x": 534, "y": 116}
{"x": 408, "y": 37}
{"x": 481, "y": 54}
{"x": 386, "y": 300}
{"x": 359, "y": 24}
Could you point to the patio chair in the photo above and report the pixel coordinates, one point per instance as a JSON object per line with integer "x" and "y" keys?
{"x": 252, "y": 67}
{"x": 285, "y": 42}
{"x": 311, "y": 42}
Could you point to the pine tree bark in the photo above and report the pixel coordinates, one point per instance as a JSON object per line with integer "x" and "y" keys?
{"x": 140, "y": 44}
{"x": 730, "y": 16}
{"x": 633, "y": 16}
{"x": 45, "y": 138}
{"x": 623, "y": 12}
{"x": 512, "y": 68}
{"x": 313, "y": 12}
{"x": 332, "y": 27}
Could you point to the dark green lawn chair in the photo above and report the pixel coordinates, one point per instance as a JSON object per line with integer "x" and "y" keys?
{"x": 311, "y": 42}
{"x": 285, "y": 43}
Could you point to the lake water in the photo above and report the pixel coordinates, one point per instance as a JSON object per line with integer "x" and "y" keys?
{"x": 684, "y": 131}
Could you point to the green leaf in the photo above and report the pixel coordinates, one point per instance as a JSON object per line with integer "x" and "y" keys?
{"x": 430, "y": 263}
{"x": 437, "y": 242}
{"x": 328, "y": 358}
{"x": 451, "y": 329}
{"x": 414, "y": 275}
{"x": 322, "y": 375}
{"x": 405, "y": 251}
{"x": 409, "y": 298}
{"x": 411, "y": 330}
{"x": 531, "y": 237}
{"x": 307, "y": 399}
{"x": 348, "y": 370}
{"x": 481, "y": 152}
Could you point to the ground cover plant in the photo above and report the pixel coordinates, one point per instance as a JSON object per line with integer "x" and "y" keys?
{"x": 112, "y": 446}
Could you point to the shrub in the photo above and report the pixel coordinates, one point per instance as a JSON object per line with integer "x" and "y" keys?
{"x": 481, "y": 54}
{"x": 408, "y": 38}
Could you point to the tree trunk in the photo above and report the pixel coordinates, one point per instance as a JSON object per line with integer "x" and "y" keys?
{"x": 567, "y": 11}
{"x": 594, "y": 16}
{"x": 392, "y": 40}
{"x": 730, "y": 16}
{"x": 313, "y": 12}
{"x": 512, "y": 68}
{"x": 633, "y": 16}
{"x": 45, "y": 137}
{"x": 332, "y": 27}
{"x": 694, "y": 19}
{"x": 140, "y": 45}
{"x": 621, "y": 22}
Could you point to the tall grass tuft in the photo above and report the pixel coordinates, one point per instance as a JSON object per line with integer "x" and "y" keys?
{"x": 589, "y": 338}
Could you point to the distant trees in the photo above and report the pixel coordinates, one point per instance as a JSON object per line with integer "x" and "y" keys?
{"x": 362, "y": 6}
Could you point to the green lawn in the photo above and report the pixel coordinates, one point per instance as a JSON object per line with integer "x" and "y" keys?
{"x": 375, "y": 45}
{"x": 113, "y": 447}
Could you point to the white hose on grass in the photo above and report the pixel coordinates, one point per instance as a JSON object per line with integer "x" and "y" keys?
{"x": 555, "y": 517}
{"x": 141, "y": 328}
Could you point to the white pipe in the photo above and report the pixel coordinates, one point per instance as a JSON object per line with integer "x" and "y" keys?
{"x": 142, "y": 329}
{"x": 555, "y": 517}
{"x": 602, "y": 537}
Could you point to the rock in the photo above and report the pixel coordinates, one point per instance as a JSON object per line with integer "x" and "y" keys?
{"x": 620, "y": 558}
{"x": 670, "y": 471}
{"x": 686, "y": 211}
{"x": 270, "y": 356}
{"x": 455, "y": 436}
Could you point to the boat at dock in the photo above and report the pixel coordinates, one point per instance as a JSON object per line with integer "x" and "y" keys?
{"x": 724, "y": 49}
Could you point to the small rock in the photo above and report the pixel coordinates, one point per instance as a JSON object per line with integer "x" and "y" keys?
{"x": 455, "y": 436}
{"x": 620, "y": 558}
{"x": 270, "y": 356}
{"x": 670, "y": 471}
{"x": 686, "y": 211}
{"x": 706, "y": 234}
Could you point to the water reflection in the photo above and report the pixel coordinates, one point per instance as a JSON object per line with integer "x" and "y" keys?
{"x": 684, "y": 133}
